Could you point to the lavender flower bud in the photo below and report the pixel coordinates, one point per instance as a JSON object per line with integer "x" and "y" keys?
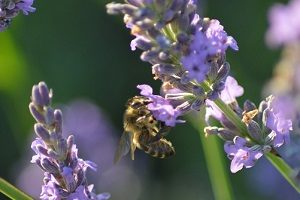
{"x": 53, "y": 137}
{"x": 183, "y": 38}
{"x": 198, "y": 91}
{"x": 117, "y": 8}
{"x": 42, "y": 132}
{"x": 169, "y": 15}
{"x": 38, "y": 116}
{"x": 36, "y": 96}
{"x": 185, "y": 78}
{"x": 163, "y": 42}
{"x": 136, "y": 3}
{"x": 70, "y": 142}
{"x": 141, "y": 43}
{"x": 44, "y": 93}
{"x": 42, "y": 150}
{"x": 213, "y": 73}
{"x": 149, "y": 55}
{"x": 164, "y": 69}
{"x": 52, "y": 154}
{"x": 196, "y": 105}
{"x": 69, "y": 179}
{"x": 49, "y": 115}
{"x": 249, "y": 106}
{"x": 49, "y": 166}
{"x": 255, "y": 131}
{"x": 226, "y": 134}
{"x": 211, "y": 130}
{"x": 58, "y": 120}
{"x": 223, "y": 71}
{"x": 163, "y": 56}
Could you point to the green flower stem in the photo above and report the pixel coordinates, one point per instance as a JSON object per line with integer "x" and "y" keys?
{"x": 235, "y": 119}
{"x": 232, "y": 116}
{"x": 286, "y": 171}
{"x": 215, "y": 162}
{"x": 12, "y": 192}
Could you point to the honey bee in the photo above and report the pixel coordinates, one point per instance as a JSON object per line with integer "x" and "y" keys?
{"x": 143, "y": 131}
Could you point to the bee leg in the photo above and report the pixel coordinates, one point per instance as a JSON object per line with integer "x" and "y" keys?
{"x": 132, "y": 146}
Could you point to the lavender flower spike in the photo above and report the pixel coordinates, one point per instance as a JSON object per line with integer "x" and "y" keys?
{"x": 65, "y": 173}
{"x": 11, "y": 8}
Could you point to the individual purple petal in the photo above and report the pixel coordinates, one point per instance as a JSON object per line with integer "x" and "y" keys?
{"x": 79, "y": 194}
{"x": 239, "y": 142}
{"x": 237, "y": 161}
{"x": 213, "y": 110}
{"x": 146, "y": 90}
{"x": 232, "y": 43}
{"x": 25, "y": 6}
{"x": 50, "y": 191}
{"x": 231, "y": 91}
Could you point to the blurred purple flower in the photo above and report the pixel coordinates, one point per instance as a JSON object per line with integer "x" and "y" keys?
{"x": 241, "y": 155}
{"x": 284, "y": 23}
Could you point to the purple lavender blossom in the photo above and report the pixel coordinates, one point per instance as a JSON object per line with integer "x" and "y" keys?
{"x": 56, "y": 156}
{"x": 277, "y": 121}
{"x": 240, "y": 154}
{"x": 218, "y": 39}
{"x": 196, "y": 66}
{"x": 9, "y": 9}
{"x": 161, "y": 108}
{"x": 284, "y": 24}
{"x": 209, "y": 42}
{"x": 231, "y": 91}
{"x": 214, "y": 40}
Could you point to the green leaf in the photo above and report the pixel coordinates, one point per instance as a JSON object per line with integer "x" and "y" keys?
{"x": 12, "y": 192}
{"x": 286, "y": 171}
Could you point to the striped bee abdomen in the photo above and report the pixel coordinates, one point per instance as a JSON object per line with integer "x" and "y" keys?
{"x": 160, "y": 149}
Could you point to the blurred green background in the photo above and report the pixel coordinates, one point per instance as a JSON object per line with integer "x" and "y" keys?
{"x": 80, "y": 51}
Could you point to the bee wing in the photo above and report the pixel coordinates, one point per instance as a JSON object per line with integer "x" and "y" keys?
{"x": 125, "y": 145}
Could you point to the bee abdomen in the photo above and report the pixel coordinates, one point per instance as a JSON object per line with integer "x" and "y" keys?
{"x": 160, "y": 149}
